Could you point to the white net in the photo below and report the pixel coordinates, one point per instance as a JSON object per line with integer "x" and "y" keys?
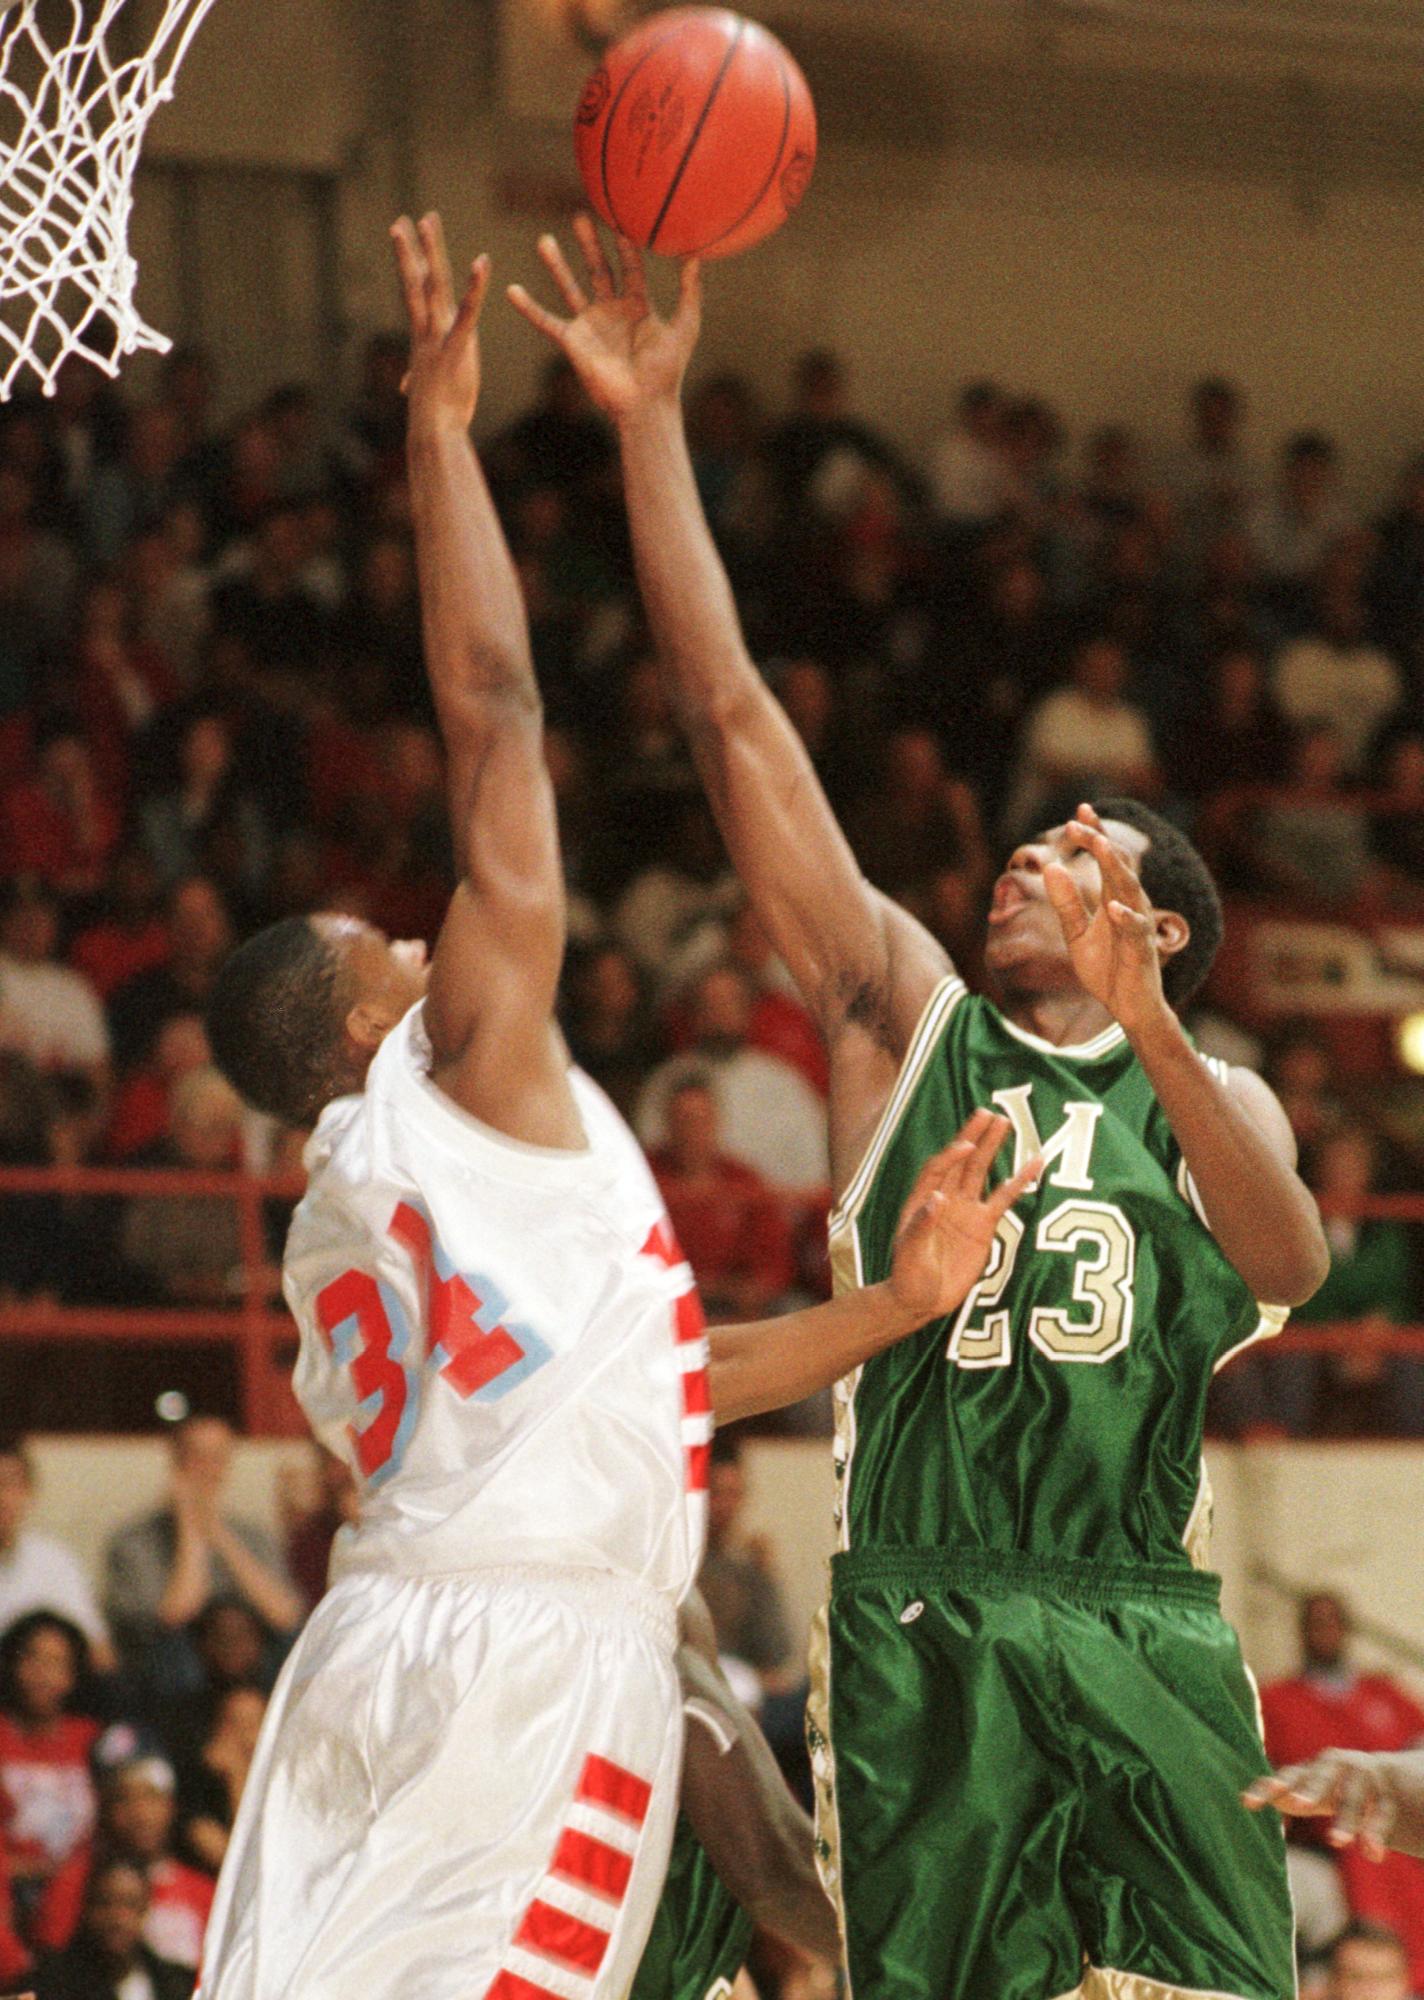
{"x": 79, "y": 81}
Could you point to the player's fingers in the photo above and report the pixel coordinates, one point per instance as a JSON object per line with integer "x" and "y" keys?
{"x": 411, "y": 266}
{"x": 630, "y": 265}
{"x": 437, "y": 257}
{"x": 935, "y": 1174}
{"x": 986, "y": 1150}
{"x": 1088, "y": 815}
{"x": 688, "y": 316}
{"x": 1304, "y": 1791}
{"x": 1352, "y": 1799}
{"x": 549, "y": 324}
{"x": 555, "y": 263}
{"x": 1135, "y": 923}
{"x": 1008, "y": 1192}
{"x": 600, "y": 277}
{"x": 958, "y": 1160}
{"x": 1068, "y": 905}
{"x": 472, "y": 304}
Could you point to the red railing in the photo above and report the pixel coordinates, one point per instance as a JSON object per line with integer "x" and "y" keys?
{"x": 253, "y": 1327}
{"x": 258, "y": 1330}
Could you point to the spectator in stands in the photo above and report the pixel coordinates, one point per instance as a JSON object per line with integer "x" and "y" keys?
{"x": 673, "y": 915}
{"x": 1234, "y": 734}
{"x": 1369, "y": 1962}
{"x": 1371, "y": 1287}
{"x": 819, "y": 451}
{"x": 561, "y": 443}
{"x": 208, "y": 820}
{"x": 1329, "y": 1704}
{"x": 128, "y": 934}
{"x": 200, "y": 938}
{"x": 142, "y": 1117}
{"x": 1296, "y": 525}
{"x": 1396, "y": 589}
{"x": 771, "y": 1118}
{"x": 138, "y": 1811}
{"x": 1397, "y": 830}
{"x": 736, "y": 1579}
{"x": 1313, "y": 846}
{"x": 37, "y": 1572}
{"x": 916, "y": 821}
{"x": 210, "y": 1788}
{"x": 268, "y": 605}
{"x": 58, "y": 826}
{"x": 47, "y": 1802}
{"x": 1215, "y": 483}
{"x": 108, "y": 1958}
{"x": 732, "y": 1228}
{"x": 169, "y": 592}
{"x": 48, "y": 1013}
{"x": 232, "y": 1648}
{"x": 1086, "y": 738}
{"x": 37, "y": 572}
{"x": 1332, "y": 673}
{"x": 124, "y": 686}
{"x": 1299, "y": 1068}
{"x": 970, "y": 479}
{"x": 313, "y": 1527}
{"x": 190, "y": 1245}
{"x": 162, "y": 1570}
{"x": 610, "y": 1026}
{"x": 129, "y": 494}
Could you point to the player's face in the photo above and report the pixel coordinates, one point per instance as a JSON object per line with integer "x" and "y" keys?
{"x": 1025, "y": 951}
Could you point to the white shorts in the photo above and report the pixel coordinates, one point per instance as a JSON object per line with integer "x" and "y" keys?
{"x": 465, "y": 1789}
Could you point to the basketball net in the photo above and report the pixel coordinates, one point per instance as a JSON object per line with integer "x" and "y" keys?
{"x": 73, "y": 111}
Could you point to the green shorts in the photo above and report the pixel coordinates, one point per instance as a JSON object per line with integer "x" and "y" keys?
{"x": 1031, "y": 1784}
{"x": 699, "y": 1939}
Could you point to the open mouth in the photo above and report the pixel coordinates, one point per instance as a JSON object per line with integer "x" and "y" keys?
{"x": 1010, "y": 897}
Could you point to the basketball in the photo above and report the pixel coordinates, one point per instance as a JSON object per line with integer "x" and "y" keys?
{"x": 696, "y": 135}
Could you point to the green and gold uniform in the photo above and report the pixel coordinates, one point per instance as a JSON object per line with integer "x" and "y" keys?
{"x": 1032, "y": 1725}
{"x": 698, "y": 1943}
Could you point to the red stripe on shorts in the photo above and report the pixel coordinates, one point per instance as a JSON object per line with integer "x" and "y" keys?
{"x": 509, "y": 1986}
{"x": 558, "y": 1935}
{"x": 593, "y": 1864}
{"x": 602, "y": 1783}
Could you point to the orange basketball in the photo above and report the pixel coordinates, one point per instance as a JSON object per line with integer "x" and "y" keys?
{"x": 696, "y": 133}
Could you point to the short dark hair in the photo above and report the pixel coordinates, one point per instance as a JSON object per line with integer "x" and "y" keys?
{"x": 274, "y": 1022}
{"x": 13, "y": 1445}
{"x": 15, "y": 1638}
{"x": 1175, "y": 878}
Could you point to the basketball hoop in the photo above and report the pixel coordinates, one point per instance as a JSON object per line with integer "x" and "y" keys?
{"x": 73, "y": 111}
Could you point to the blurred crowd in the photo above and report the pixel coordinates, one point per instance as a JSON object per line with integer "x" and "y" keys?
{"x": 213, "y": 713}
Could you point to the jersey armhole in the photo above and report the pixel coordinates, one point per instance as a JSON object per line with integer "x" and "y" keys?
{"x": 938, "y": 1009}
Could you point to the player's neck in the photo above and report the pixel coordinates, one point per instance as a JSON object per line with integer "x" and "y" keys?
{"x": 1064, "y": 1019}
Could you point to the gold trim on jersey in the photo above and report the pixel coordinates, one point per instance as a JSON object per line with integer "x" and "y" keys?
{"x": 1196, "y": 1537}
{"x": 1102, "y": 1983}
{"x": 1272, "y": 1320}
{"x": 823, "y": 1768}
{"x": 1100, "y": 1045}
{"x": 938, "y": 1008}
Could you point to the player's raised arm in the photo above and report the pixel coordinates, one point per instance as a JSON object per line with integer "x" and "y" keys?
{"x": 1235, "y": 1139}
{"x": 946, "y": 1233}
{"x": 499, "y": 953}
{"x": 852, "y": 955}
{"x": 755, "y": 1834}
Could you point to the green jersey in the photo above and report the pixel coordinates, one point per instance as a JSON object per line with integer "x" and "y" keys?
{"x": 699, "y": 1938}
{"x": 1059, "y": 1412}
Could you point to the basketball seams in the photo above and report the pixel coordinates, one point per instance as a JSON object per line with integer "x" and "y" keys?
{"x": 776, "y": 163}
{"x": 676, "y": 182}
{"x": 612, "y": 112}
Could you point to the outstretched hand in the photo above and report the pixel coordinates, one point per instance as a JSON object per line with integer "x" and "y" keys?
{"x": 443, "y": 382}
{"x": 625, "y": 354}
{"x": 1355, "y": 1790}
{"x": 1114, "y": 947}
{"x": 947, "y": 1226}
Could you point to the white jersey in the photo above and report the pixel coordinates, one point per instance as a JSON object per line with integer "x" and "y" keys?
{"x": 502, "y": 1340}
